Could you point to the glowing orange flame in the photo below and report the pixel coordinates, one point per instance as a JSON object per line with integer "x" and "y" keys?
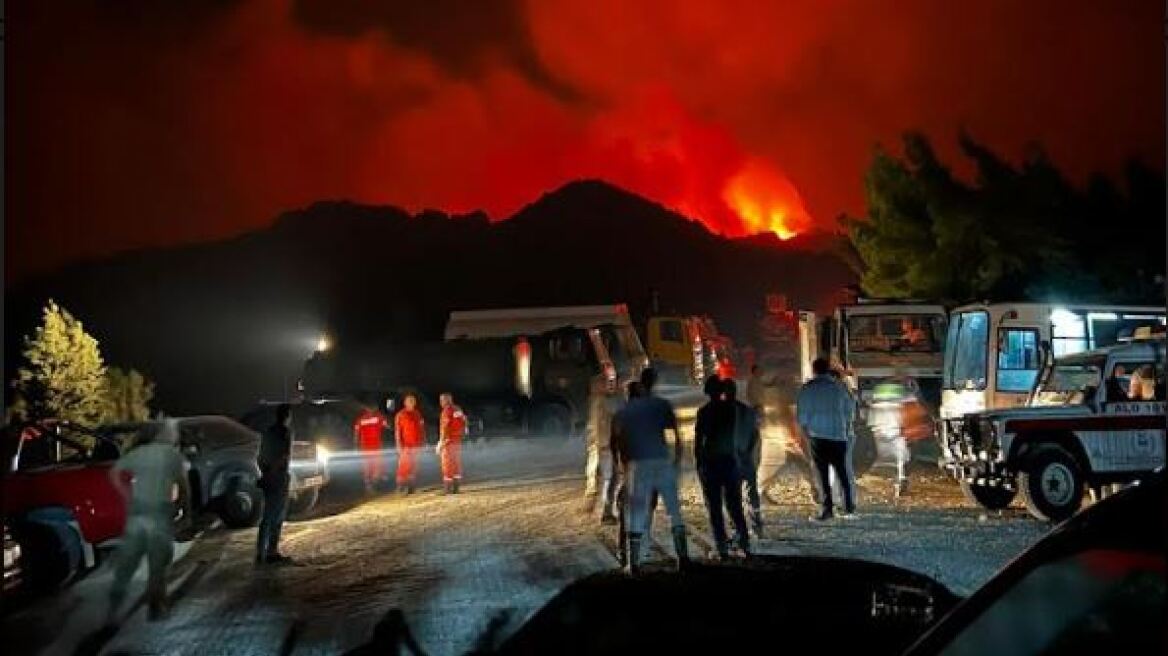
{"x": 765, "y": 201}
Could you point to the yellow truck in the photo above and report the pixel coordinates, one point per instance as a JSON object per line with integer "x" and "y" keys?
{"x": 686, "y": 348}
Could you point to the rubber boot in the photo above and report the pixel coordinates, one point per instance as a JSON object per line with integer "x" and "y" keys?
{"x": 744, "y": 545}
{"x": 681, "y": 546}
{"x": 454, "y": 486}
{"x": 447, "y": 487}
{"x": 633, "y": 554}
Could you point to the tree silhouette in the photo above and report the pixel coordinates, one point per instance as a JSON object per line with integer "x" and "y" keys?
{"x": 1013, "y": 232}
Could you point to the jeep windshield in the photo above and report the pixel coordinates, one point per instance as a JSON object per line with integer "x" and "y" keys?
{"x": 1070, "y": 381}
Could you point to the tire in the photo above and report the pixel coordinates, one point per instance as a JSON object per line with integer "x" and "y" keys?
{"x": 44, "y": 560}
{"x": 864, "y": 449}
{"x": 990, "y": 498}
{"x": 551, "y": 421}
{"x": 1052, "y": 483}
{"x": 304, "y": 502}
{"x": 241, "y": 505}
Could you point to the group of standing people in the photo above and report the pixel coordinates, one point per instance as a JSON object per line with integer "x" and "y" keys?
{"x": 409, "y": 433}
{"x": 631, "y": 464}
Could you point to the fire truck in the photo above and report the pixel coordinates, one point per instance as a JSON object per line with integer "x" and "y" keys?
{"x": 1094, "y": 419}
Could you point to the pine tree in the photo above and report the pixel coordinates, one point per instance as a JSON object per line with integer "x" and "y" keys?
{"x": 65, "y": 377}
{"x": 128, "y": 395}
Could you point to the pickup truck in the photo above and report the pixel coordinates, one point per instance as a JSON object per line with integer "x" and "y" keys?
{"x": 59, "y": 502}
{"x": 1085, "y": 426}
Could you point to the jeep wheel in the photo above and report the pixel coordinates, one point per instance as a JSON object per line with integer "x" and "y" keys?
{"x": 241, "y": 504}
{"x": 990, "y": 498}
{"x": 303, "y": 503}
{"x": 1052, "y": 484}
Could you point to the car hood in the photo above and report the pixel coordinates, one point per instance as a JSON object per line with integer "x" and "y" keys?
{"x": 717, "y": 608}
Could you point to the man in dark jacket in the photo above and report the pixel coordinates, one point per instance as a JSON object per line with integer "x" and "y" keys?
{"x": 274, "y": 459}
{"x": 748, "y": 441}
{"x": 716, "y": 457}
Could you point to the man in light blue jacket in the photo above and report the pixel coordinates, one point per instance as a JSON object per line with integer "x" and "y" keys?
{"x": 825, "y": 411}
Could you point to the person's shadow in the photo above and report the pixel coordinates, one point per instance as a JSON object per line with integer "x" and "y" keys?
{"x": 390, "y": 634}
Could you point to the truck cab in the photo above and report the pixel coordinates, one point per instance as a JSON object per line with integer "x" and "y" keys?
{"x": 1085, "y": 424}
{"x": 872, "y": 340}
{"x": 686, "y": 348}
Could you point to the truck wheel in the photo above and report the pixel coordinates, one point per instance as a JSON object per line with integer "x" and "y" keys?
{"x": 304, "y": 502}
{"x": 1052, "y": 484}
{"x": 990, "y": 498}
{"x": 241, "y": 504}
{"x": 864, "y": 449}
{"x": 44, "y": 560}
{"x": 551, "y": 421}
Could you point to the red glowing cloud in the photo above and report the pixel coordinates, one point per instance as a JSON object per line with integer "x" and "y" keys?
{"x": 140, "y": 124}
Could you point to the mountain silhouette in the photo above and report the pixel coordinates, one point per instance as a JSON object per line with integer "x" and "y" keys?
{"x": 219, "y": 325}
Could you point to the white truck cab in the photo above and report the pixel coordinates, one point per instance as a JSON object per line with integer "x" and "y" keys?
{"x": 993, "y": 351}
{"x": 1093, "y": 418}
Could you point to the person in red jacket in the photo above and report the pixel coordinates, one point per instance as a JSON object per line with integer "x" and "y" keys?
{"x": 451, "y": 430}
{"x": 369, "y": 427}
{"x": 409, "y": 432}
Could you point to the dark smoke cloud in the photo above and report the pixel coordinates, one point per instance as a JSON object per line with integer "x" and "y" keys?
{"x": 465, "y": 37}
{"x": 135, "y": 124}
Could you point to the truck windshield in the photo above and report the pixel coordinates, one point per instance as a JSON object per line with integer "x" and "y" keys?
{"x": 1069, "y": 383}
{"x": 895, "y": 333}
{"x": 965, "y": 351}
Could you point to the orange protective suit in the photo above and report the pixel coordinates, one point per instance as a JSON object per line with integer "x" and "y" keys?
{"x": 409, "y": 430}
{"x": 452, "y": 428}
{"x": 368, "y": 428}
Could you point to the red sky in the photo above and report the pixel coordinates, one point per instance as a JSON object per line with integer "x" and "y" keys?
{"x": 138, "y": 123}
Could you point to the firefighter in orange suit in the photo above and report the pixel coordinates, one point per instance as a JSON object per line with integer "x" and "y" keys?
{"x": 369, "y": 427}
{"x": 409, "y": 432}
{"x": 451, "y": 430}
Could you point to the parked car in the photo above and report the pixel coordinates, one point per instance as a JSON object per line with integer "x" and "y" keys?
{"x": 60, "y": 503}
{"x": 224, "y": 476}
{"x": 323, "y": 427}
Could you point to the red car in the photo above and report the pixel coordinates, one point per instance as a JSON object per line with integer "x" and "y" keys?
{"x": 59, "y": 502}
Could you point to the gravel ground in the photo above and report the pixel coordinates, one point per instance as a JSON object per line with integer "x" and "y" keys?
{"x": 513, "y": 539}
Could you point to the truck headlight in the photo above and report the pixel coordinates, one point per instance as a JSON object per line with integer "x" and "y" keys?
{"x": 322, "y": 455}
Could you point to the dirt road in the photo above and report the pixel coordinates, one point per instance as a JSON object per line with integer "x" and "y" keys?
{"x": 510, "y": 541}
